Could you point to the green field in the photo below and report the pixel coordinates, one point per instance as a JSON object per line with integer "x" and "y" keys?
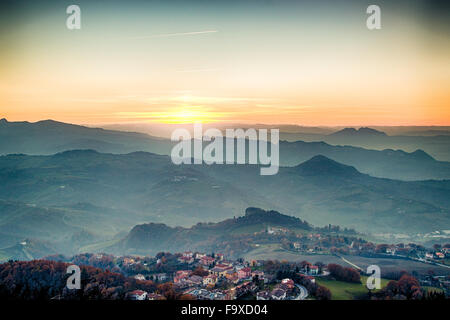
{"x": 274, "y": 251}
{"x": 341, "y": 290}
{"x": 387, "y": 265}
{"x": 96, "y": 247}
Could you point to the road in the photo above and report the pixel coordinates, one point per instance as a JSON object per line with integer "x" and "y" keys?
{"x": 303, "y": 293}
{"x": 351, "y": 263}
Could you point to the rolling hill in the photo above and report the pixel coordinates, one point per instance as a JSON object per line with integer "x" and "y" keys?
{"x": 409, "y": 139}
{"x": 155, "y": 237}
{"x": 50, "y": 137}
{"x": 124, "y": 190}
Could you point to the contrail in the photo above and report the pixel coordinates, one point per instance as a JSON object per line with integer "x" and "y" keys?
{"x": 163, "y": 35}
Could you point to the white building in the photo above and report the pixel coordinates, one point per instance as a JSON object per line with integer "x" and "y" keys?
{"x": 138, "y": 295}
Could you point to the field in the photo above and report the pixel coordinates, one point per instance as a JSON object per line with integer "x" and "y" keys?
{"x": 387, "y": 265}
{"x": 346, "y": 291}
{"x": 95, "y": 247}
{"x": 275, "y": 252}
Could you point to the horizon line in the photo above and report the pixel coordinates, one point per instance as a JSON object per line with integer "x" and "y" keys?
{"x": 229, "y": 123}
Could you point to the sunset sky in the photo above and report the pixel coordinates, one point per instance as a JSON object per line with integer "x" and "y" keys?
{"x": 278, "y": 62}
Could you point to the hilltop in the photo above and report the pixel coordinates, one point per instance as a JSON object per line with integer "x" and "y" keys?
{"x": 155, "y": 237}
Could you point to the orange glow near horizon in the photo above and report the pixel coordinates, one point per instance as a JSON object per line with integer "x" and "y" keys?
{"x": 238, "y": 110}
{"x": 260, "y": 68}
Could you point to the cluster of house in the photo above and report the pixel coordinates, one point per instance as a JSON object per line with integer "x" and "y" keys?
{"x": 430, "y": 255}
{"x": 218, "y": 269}
{"x": 403, "y": 250}
{"x": 189, "y": 257}
{"x": 128, "y": 261}
{"x": 280, "y": 292}
{"x": 276, "y": 230}
{"x": 232, "y": 293}
{"x": 223, "y": 279}
{"x": 228, "y": 294}
{"x": 305, "y": 247}
{"x": 143, "y": 295}
{"x": 442, "y": 282}
{"x": 203, "y": 294}
{"x": 438, "y": 254}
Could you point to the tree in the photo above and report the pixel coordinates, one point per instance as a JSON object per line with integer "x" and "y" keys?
{"x": 199, "y": 271}
{"x": 344, "y": 274}
{"x": 407, "y": 287}
{"x": 323, "y": 293}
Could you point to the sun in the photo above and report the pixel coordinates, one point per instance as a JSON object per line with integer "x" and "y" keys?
{"x": 188, "y": 114}
{"x": 180, "y": 115}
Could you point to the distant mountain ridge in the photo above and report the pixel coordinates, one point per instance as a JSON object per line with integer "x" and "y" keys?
{"x": 394, "y": 164}
{"x": 434, "y": 142}
{"x": 50, "y": 137}
{"x": 363, "y": 131}
{"x": 121, "y": 190}
{"x": 27, "y": 249}
{"x": 321, "y": 165}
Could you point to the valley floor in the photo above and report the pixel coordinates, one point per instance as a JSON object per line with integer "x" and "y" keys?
{"x": 387, "y": 265}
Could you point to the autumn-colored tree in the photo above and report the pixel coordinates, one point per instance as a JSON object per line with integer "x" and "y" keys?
{"x": 44, "y": 280}
{"x": 323, "y": 293}
{"x": 167, "y": 290}
{"x": 199, "y": 271}
{"x": 344, "y": 274}
{"x": 407, "y": 287}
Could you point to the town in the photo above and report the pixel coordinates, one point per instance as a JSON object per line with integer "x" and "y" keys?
{"x": 212, "y": 277}
{"x": 201, "y": 276}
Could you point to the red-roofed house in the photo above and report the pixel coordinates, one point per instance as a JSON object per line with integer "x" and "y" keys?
{"x": 181, "y": 274}
{"x": 288, "y": 283}
{"x": 232, "y": 276}
{"x": 199, "y": 255}
{"x": 195, "y": 280}
{"x": 259, "y": 274}
{"x": 245, "y": 273}
{"x": 314, "y": 270}
{"x": 155, "y": 296}
{"x": 278, "y": 294}
{"x": 220, "y": 270}
{"x": 210, "y": 280}
{"x": 207, "y": 261}
{"x": 440, "y": 255}
{"x": 138, "y": 295}
{"x": 186, "y": 259}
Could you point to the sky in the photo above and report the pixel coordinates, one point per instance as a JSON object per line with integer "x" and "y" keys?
{"x": 274, "y": 62}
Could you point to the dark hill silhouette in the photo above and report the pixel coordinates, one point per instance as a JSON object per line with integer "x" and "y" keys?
{"x": 202, "y": 236}
{"x": 50, "y": 137}
{"x": 364, "y": 131}
{"x": 321, "y": 165}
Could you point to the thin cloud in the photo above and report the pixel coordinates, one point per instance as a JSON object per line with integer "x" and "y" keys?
{"x": 198, "y": 70}
{"x": 179, "y": 34}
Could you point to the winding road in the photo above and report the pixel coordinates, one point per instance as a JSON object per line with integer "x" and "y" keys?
{"x": 303, "y": 293}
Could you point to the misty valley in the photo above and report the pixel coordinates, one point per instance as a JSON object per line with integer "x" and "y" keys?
{"x": 119, "y": 194}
